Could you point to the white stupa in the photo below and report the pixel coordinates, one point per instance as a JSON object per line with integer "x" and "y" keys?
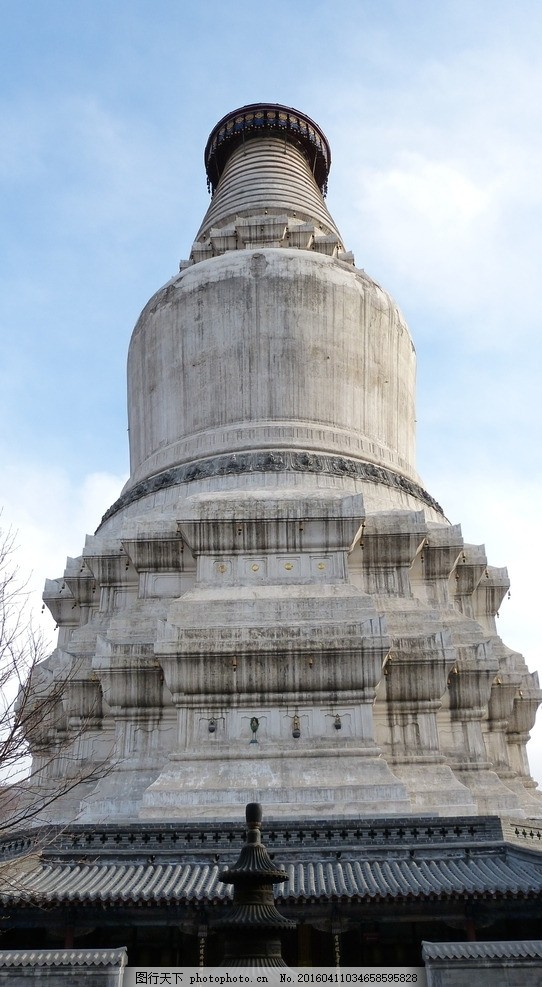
{"x": 275, "y": 610}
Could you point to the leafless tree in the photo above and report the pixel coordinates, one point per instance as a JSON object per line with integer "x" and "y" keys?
{"x": 38, "y": 753}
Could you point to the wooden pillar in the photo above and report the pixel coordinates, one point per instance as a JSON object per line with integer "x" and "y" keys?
{"x": 470, "y": 929}
{"x": 304, "y": 955}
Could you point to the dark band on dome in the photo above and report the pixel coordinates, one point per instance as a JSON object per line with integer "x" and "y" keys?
{"x": 261, "y": 119}
{"x": 270, "y": 461}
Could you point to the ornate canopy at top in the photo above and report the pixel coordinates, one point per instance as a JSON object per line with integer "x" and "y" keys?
{"x": 264, "y": 119}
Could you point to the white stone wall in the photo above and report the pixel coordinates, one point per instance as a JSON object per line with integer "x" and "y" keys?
{"x": 374, "y": 689}
{"x": 263, "y": 349}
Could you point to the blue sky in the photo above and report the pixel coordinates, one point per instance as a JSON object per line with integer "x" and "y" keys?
{"x": 434, "y": 116}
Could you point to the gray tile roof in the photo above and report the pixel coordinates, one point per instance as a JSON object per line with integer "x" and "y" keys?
{"x": 388, "y": 860}
{"x": 485, "y": 873}
{"x": 506, "y": 950}
{"x": 63, "y": 957}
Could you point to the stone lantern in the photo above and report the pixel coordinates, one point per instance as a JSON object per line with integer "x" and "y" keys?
{"x": 253, "y": 924}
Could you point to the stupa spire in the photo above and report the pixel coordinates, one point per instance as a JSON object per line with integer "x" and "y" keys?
{"x": 270, "y": 162}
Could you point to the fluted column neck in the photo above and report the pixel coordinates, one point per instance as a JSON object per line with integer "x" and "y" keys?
{"x": 267, "y": 166}
{"x": 266, "y": 178}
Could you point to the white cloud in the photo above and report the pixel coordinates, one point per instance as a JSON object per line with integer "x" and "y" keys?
{"x": 50, "y": 514}
{"x": 438, "y": 193}
{"x": 441, "y": 191}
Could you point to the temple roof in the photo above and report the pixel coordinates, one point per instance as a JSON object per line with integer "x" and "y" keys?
{"x": 504, "y": 950}
{"x": 393, "y": 860}
{"x": 486, "y": 874}
{"x": 63, "y": 957}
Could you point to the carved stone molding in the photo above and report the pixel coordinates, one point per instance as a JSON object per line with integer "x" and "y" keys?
{"x": 270, "y": 461}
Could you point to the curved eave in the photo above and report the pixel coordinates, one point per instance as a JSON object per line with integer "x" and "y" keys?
{"x": 369, "y": 880}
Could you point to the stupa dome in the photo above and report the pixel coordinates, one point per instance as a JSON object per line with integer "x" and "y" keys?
{"x": 270, "y": 350}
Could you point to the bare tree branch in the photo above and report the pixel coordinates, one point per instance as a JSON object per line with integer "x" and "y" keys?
{"x": 40, "y": 732}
